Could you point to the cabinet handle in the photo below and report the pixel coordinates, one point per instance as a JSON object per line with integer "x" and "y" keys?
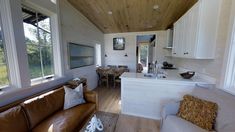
{"x": 186, "y": 53}
{"x": 174, "y": 53}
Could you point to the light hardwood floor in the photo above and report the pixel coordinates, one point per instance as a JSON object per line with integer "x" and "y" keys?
{"x": 109, "y": 101}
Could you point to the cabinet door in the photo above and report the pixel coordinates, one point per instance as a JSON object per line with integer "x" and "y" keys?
{"x": 175, "y": 39}
{"x": 185, "y": 35}
{"x": 182, "y": 37}
{"x": 193, "y": 23}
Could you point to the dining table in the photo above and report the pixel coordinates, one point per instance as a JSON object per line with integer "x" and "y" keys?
{"x": 112, "y": 72}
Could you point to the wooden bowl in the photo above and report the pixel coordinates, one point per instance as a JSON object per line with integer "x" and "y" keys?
{"x": 187, "y": 75}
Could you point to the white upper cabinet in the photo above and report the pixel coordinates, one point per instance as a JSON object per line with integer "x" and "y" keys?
{"x": 195, "y": 32}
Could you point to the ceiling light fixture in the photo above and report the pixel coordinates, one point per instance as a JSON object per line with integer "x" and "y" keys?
{"x": 155, "y": 7}
{"x": 110, "y": 12}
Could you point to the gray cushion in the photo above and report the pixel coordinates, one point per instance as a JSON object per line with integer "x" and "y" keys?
{"x": 176, "y": 124}
{"x": 73, "y": 97}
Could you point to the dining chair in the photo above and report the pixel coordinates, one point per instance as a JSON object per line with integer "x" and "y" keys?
{"x": 103, "y": 76}
{"x": 112, "y": 66}
{"x": 116, "y": 76}
{"x": 124, "y": 67}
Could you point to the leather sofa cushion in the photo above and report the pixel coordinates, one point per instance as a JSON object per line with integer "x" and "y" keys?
{"x": 67, "y": 120}
{"x": 39, "y": 108}
{"x": 13, "y": 120}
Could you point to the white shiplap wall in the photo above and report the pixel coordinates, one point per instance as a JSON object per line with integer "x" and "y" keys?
{"x": 116, "y": 57}
{"x": 78, "y": 29}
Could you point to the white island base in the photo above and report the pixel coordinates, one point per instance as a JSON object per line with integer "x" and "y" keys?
{"x": 145, "y": 97}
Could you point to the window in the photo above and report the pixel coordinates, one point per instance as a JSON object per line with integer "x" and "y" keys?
{"x": 230, "y": 76}
{"x": 228, "y": 82}
{"x": 38, "y": 40}
{"x": 3, "y": 65}
{"x": 98, "y": 54}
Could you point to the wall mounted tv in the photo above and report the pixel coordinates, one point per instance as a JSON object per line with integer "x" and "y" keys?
{"x": 80, "y": 55}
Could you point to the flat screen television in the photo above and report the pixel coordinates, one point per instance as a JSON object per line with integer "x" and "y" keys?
{"x": 80, "y": 55}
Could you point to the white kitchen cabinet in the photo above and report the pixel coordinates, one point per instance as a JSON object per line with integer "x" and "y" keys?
{"x": 195, "y": 32}
{"x": 176, "y": 40}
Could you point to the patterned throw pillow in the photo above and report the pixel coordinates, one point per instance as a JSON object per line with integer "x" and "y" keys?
{"x": 73, "y": 97}
{"x": 199, "y": 112}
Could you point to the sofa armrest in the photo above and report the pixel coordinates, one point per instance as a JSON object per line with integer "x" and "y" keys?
{"x": 170, "y": 109}
{"x": 91, "y": 97}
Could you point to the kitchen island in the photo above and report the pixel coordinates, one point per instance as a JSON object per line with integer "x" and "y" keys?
{"x": 145, "y": 96}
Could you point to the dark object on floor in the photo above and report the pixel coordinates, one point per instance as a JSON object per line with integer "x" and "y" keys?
{"x": 187, "y": 75}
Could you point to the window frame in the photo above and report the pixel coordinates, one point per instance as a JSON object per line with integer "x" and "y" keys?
{"x": 56, "y": 42}
{"x": 14, "y": 74}
{"x": 43, "y": 77}
{"x": 228, "y": 70}
{"x": 18, "y": 73}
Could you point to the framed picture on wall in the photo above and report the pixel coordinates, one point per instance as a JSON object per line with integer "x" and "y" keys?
{"x": 80, "y": 55}
{"x": 119, "y": 43}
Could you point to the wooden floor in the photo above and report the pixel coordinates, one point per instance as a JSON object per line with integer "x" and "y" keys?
{"x": 109, "y": 101}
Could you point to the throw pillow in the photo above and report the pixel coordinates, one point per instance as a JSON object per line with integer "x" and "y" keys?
{"x": 73, "y": 97}
{"x": 199, "y": 112}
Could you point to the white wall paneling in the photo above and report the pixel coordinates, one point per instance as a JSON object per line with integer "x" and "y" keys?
{"x": 116, "y": 57}
{"x": 78, "y": 29}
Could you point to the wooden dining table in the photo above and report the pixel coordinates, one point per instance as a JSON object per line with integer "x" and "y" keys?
{"x": 112, "y": 72}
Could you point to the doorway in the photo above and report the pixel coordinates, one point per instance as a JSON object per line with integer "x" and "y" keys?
{"x": 144, "y": 52}
{"x": 145, "y": 45}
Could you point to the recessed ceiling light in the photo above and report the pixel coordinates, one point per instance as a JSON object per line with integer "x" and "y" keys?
{"x": 155, "y": 7}
{"x": 110, "y": 12}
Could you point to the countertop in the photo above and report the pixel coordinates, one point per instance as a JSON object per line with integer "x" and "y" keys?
{"x": 171, "y": 75}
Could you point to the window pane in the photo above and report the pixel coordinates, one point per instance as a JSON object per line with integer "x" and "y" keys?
{"x": 44, "y": 22}
{"x": 3, "y": 67}
{"x": 47, "y": 59}
{"x": 34, "y": 61}
{"x": 44, "y": 37}
{"x": 30, "y": 32}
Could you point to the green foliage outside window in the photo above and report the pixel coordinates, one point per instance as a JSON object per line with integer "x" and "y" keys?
{"x": 3, "y": 67}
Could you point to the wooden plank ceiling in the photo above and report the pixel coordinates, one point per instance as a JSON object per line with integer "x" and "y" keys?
{"x": 113, "y": 16}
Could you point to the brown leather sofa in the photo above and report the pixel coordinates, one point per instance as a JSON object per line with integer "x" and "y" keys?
{"x": 45, "y": 113}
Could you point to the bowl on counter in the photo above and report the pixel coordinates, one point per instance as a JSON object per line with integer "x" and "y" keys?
{"x": 187, "y": 75}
